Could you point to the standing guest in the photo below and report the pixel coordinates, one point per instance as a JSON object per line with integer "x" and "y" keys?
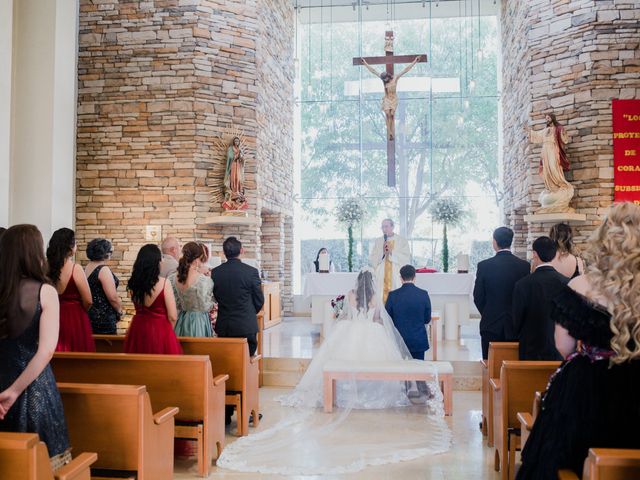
{"x": 532, "y": 297}
{"x": 151, "y": 329}
{"x": 170, "y": 256}
{"x": 29, "y": 321}
{"x": 315, "y": 265}
{"x": 592, "y": 400}
{"x": 565, "y": 262}
{"x": 73, "y": 291}
{"x": 193, "y": 292}
{"x": 493, "y": 290}
{"x": 107, "y": 307}
{"x": 238, "y": 291}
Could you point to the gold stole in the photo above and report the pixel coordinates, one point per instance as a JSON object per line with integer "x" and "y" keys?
{"x": 388, "y": 273}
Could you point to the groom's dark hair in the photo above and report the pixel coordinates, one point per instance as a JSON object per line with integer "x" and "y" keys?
{"x": 408, "y": 272}
{"x": 232, "y": 248}
{"x": 503, "y": 237}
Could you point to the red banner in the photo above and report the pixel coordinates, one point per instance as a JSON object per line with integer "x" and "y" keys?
{"x": 626, "y": 150}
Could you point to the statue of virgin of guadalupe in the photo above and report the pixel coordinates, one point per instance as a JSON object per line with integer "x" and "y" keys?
{"x": 234, "y": 177}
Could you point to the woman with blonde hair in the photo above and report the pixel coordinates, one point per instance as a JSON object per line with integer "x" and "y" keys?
{"x": 592, "y": 400}
{"x": 566, "y": 262}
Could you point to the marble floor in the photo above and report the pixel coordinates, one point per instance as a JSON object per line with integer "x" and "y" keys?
{"x": 469, "y": 457}
{"x": 297, "y": 337}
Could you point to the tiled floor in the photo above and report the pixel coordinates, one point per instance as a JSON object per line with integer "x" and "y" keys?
{"x": 297, "y": 337}
{"x": 469, "y": 457}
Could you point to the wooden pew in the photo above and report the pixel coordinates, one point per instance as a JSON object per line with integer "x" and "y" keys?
{"x": 512, "y": 393}
{"x": 228, "y": 356}
{"x": 498, "y": 352}
{"x": 24, "y": 457}
{"x": 183, "y": 381}
{"x": 527, "y": 419}
{"x": 607, "y": 464}
{"x": 117, "y": 422}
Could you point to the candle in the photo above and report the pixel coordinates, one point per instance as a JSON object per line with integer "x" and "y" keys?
{"x": 463, "y": 263}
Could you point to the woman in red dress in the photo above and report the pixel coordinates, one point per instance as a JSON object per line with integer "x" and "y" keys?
{"x": 73, "y": 292}
{"x": 151, "y": 329}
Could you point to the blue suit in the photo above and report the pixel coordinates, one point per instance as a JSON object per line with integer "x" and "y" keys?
{"x": 410, "y": 309}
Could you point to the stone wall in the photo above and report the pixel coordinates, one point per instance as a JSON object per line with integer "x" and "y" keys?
{"x": 571, "y": 58}
{"x": 158, "y": 82}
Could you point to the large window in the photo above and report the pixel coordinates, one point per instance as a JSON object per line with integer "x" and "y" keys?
{"x": 446, "y": 126}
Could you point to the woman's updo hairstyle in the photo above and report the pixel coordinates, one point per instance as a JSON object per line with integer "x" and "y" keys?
{"x": 191, "y": 252}
{"x": 99, "y": 249}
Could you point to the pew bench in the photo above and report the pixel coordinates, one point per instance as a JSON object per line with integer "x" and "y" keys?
{"x": 607, "y": 464}
{"x": 512, "y": 393}
{"x": 407, "y": 370}
{"x": 117, "y": 422}
{"x": 527, "y": 419}
{"x": 24, "y": 457}
{"x": 498, "y": 353}
{"x": 228, "y": 356}
{"x": 183, "y": 381}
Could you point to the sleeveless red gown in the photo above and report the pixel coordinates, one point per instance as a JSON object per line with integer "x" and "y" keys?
{"x": 75, "y": 327}
{"x": 151, "y": 331}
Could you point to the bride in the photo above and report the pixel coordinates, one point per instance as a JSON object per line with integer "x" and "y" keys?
{"x": 363, "y": 332}
{"x": 307, "y": 441}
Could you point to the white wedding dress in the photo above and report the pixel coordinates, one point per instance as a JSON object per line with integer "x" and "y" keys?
{"x": 308, "y": 441}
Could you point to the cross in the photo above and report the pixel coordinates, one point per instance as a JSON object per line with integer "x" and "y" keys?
{"x": 390, "y": 100}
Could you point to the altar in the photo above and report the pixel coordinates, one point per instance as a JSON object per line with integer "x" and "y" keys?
{"x": 451, "y": 293}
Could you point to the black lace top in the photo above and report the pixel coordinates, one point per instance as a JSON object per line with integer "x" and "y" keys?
{"x": 584, "y": 319}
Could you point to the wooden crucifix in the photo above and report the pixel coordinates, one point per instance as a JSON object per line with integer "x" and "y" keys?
{"x": 390, "y": 99}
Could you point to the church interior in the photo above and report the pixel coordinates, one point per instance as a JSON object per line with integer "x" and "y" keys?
{"x": 338, "y": 141}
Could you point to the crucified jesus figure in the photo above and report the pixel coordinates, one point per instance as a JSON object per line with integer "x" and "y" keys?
{"x": 390, "y": 99}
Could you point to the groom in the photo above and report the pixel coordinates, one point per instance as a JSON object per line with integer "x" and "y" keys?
{"x": 388, "y": 254}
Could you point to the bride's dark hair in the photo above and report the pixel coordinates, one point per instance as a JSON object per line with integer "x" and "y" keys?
{"x": 364, "y": 290}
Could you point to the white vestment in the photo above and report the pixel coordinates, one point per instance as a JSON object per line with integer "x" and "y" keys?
{"x": 399, "y": 256}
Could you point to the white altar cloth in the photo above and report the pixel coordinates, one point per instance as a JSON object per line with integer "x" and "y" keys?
{"x": 443, "y": 288}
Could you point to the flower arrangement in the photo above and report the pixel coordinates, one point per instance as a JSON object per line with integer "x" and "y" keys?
{"x": 446, "y": 211}
{"x": 350, "y": 212}
{"x": 338, "y": 306}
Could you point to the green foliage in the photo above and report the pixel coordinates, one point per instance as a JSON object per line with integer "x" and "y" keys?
{"x": 445, "y": 249}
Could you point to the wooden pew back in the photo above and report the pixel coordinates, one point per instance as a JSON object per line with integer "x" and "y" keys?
{"x": 171, "y": 380}
{"x": 612, "y": 464}
{"x": 24, "y": 457}
{"x": 498, "y": 353}
{"x": 519, "y": 381}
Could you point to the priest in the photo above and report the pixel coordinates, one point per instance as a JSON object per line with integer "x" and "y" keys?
{"x": 387, "y": 256}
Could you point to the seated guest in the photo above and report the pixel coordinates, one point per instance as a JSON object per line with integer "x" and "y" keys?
{"x": 170, "y": 255}
{"x": 315, "y": 266}
{"x": 532, "y": 297}
{"x": 107, "y": 307}
{"x": 193, "y": 292}
{"x": 493, "y": 290}
{"x": 151, "y": 329}
{"x": 565, "y": 261}
{"x": 238, "y": 291}
{"x": 73, "y": 291}
{"x": 592, "y": 400}
{"x": 29, "y": 320}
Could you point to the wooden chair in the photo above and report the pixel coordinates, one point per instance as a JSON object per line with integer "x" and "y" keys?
{"x": 184, "y": 381}
{"x": 24, "y": 457}
{"x": 498, "y": 352}
{"x": 229, "y": 356}
{"x": 527, "y": 419}
{"x": 512, "y": 392}
{"x": 117, "y": 422}
{"x": 607, "y": 464}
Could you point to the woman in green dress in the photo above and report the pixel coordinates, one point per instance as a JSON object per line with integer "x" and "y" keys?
{"x": 193, "y": 292}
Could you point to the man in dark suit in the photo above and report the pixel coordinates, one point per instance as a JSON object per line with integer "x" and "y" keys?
{"x": 493, "y": 291}
{"x": 237, "y": 289}
{"x": 410, "y": 309}
{"x": 532, "y": 298}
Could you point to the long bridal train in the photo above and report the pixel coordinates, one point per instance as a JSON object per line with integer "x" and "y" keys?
{"x": 376, "y": 424}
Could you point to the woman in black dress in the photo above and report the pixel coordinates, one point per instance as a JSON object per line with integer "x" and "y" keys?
{"x": 29, "y": 322}
{"x": 107, "y": 306}
{"x": 593, "y": 400}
